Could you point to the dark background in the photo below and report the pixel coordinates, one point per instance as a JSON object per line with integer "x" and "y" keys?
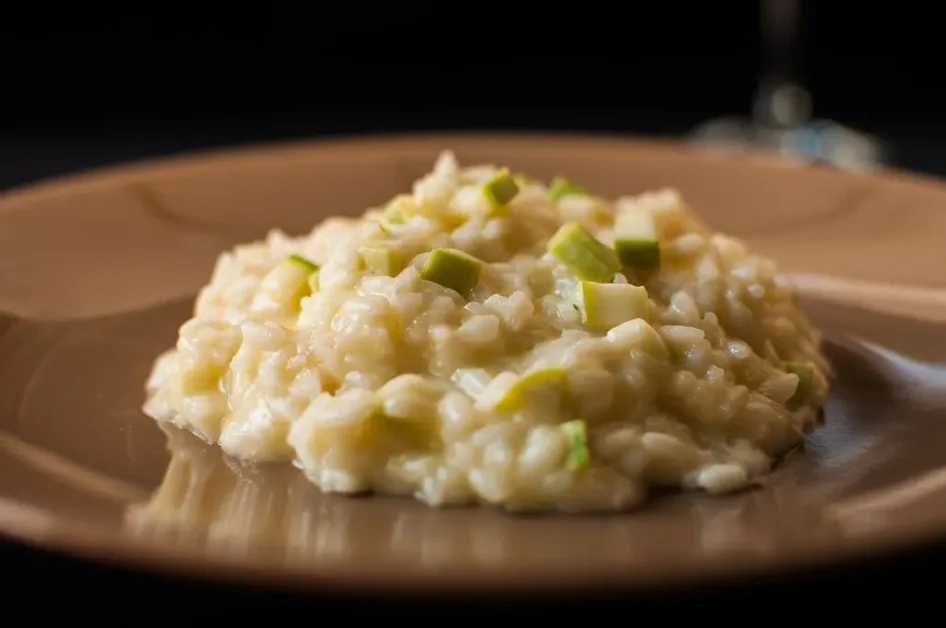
{"x": 80, "y": 89}
{"x": 84, "y": 88}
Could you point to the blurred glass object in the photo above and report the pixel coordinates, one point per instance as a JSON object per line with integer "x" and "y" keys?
{"x": 781, "y": 119}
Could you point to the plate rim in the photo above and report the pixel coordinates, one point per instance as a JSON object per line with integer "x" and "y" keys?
{"x": 86, "y": 542}
{"x": 216, "y": 157}
{"x": 38, "y": 530}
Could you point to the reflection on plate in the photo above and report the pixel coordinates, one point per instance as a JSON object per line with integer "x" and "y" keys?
{"x": 215, "y": 502}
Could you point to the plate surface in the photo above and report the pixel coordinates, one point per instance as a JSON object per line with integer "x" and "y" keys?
{"x": 99, "y": 271}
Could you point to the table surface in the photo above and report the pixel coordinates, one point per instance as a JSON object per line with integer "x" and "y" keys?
{"x": 32, "y": 156}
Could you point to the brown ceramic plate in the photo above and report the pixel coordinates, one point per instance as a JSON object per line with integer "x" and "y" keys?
{"x": 97, "y": 272}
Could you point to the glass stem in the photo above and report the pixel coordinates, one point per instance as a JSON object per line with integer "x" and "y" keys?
{"x": 780, "y": 102}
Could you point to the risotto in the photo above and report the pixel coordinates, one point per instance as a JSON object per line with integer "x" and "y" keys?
{"x": 490, "y": 338}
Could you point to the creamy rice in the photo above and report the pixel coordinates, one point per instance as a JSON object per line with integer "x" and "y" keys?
{"x": 371, "y": 377}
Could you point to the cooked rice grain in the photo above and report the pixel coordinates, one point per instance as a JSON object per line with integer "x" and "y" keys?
{"x": 390, "y": 383}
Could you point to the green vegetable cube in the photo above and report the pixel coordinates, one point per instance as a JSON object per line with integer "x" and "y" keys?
{"x": 578, "y": 250}
{"x": 516, "y": 394}
{"x": 452, "y": 269}
{"x": 607, "y": 305}
{"x": 579, "y": 456}
{"x": 394, "y": 217}
{"x": 561, "y": 187}
{"x": 289, "y": 281}
{"x": 398, "y": 209}
{"x": 636, "y": 240}
{"x": 500, "y": 189}
{"x": 310, "y": 266}
{"x": 382, "y": 260}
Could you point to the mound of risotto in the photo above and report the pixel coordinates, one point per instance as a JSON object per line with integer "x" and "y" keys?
{"x": 490, "y": 338}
